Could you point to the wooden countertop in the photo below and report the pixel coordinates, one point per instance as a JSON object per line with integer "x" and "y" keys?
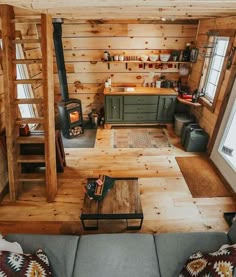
{"x": 139, "y": 91}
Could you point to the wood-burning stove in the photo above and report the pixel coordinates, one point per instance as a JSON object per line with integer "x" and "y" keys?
{"x": 71, "y": 118}
{"x": 70, "y": 109}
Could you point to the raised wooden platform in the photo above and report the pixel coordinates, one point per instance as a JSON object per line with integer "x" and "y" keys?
{"x": 167, "y": 203}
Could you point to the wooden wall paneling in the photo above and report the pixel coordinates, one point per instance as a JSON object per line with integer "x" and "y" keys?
{"x": 133, "y": 30}
{"x": 48, "y": 86}
{"x": 94, "y": 30}
{"x": 80, "y": 88}
{"x": 120, "y": 77}
{"x": 162, "y": 30}
{"x": 206, "y": 118}
{"x": 218, "y": 23}
{"x": 126, "y": 43}
{"x": 84, "y": 44}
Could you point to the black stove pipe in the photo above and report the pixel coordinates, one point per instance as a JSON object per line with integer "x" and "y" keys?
{"x": 57, "y": 38}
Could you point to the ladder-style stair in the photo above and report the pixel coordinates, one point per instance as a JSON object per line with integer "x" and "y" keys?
{"x": 16, "y": 160}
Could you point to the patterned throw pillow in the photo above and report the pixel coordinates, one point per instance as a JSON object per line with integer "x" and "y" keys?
{"x": 221, "y": 263}
{"x": 27, "y": 265}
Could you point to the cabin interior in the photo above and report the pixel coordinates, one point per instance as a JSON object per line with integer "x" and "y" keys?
{"x": 49, "y": 201}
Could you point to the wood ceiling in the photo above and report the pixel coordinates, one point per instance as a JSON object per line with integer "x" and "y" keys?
{"x": 129, "y": 9}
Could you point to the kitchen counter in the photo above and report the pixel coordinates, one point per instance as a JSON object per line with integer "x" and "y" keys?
{"x": 139, "y": 91}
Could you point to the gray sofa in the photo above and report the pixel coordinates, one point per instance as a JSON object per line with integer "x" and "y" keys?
{"x": 139, "y": 255}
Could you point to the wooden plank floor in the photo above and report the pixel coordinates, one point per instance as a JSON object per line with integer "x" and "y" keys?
{"x": 166, "y": 200}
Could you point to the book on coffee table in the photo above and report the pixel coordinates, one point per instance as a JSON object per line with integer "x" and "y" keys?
{"x": 97, "y": 189}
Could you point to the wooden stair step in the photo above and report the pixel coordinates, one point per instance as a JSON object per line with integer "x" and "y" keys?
{"x": 24, "y": 20}
{"x": 27, "y": 61}
{"x": 32, "y": 177}
{"x": 29, "y": 101}
{"x": 31, "y": 159}
{"x": 28, "y": 81}
{"x": 30, "y": 139}
{"x": 26, "y": 41}
{"x": 30, "y": 120}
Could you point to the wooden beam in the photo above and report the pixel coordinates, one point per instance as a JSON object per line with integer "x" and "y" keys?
{"x": 48, "y": 92}
{"x": 8, "y": 34}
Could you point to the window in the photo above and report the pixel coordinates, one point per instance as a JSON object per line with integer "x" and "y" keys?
{"x": 23, "y": 90}
{"x": 227, "y": 147}
{"x": 214, "y": 60}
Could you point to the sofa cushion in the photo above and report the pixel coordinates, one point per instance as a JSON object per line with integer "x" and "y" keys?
{"x": 17, "y": 264}
{"x": 116, "y": 255}
{"x": 219, "y": 263}
{"x": 10, "y": 246}
{"x": 60, "y": 249}
{"x": 232, "y": 232}
{"x": 174, "y": 249}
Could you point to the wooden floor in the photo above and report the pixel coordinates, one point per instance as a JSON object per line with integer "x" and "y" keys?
{"x": 166, "y": 200}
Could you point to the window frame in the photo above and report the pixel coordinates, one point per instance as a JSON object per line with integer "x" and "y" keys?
{"x": 205, "y": 70}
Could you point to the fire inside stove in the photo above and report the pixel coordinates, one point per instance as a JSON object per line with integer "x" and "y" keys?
{"x": 74, "y": 116}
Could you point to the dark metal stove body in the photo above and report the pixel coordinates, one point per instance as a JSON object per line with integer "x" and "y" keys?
{"x": 70, "y": 109}
{"x": 71, "y": 118}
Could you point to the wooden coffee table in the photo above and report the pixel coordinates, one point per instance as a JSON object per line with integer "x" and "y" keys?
{"x": 121, "y": 202}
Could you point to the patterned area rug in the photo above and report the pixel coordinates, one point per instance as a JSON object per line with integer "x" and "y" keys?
{"x": 140, "y": 138}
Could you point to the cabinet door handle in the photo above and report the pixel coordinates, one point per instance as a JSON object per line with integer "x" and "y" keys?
{"x": 113, "y": 107}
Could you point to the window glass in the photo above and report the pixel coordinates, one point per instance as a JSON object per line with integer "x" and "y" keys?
{"x": 23, "y": 90}
{"x": 214, "y": 66}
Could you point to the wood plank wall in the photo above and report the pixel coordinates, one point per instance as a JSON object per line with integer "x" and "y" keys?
{"x": 84, "y": 44}
{"x": 3, "y": 162}
{"x": 207, "y": 118}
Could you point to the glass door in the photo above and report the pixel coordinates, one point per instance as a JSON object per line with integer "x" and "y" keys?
{"x": 224, "y": 150}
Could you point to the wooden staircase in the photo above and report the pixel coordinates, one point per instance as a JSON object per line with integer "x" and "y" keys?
{"x": 13, "y": 121}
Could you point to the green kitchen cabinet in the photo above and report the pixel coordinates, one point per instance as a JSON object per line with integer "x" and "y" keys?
{"x": 114, "y": 108}
{"x": 140, "y": 108}
{"x": 166, "y": 108}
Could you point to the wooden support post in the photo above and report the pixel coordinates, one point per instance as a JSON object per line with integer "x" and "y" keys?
{"x": 9, "y": 69}
{"x": 48, "y": 92}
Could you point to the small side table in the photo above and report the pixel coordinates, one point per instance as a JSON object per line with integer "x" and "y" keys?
{"x": 121, "y": 202}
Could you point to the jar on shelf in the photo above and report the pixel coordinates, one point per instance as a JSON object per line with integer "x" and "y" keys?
{"x": 186, "y": 53}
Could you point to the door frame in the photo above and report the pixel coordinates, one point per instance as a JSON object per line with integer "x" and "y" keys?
{"x": 225, "y": 169}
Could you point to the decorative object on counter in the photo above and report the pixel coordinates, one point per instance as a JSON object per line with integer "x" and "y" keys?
{"x": 144, "y": 58}
{"x": 164, "y": 57}
{"x": 196, "y": 95}
{"x": 175, "y": 55}
{"x": 167, "y": 84}
{"x": 106, "y": 56}
{"x": 24, "y": 130}
{"x": 193, "y": 55}
{"x": 121, "y": 58}
{"x": 116, "y": 58}
{"x": 186, "y": 53}
{"x": 184, "y": 70}
{"x": 153, "y": 57}
{"x": 159, "y": 81}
